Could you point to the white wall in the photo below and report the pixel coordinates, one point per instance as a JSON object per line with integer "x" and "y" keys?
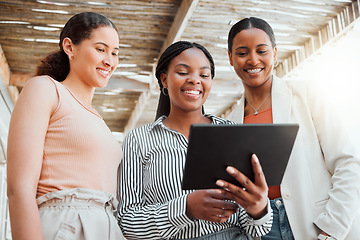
{"x": 6, "y": 107}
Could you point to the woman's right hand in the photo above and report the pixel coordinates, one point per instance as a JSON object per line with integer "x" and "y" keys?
{"x": 210, "y": 205}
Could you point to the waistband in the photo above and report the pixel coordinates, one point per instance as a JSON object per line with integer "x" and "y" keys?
{"x": 226, "y": 234}
{"x": 277, "y": 203}
{"x": 78, "y": 197}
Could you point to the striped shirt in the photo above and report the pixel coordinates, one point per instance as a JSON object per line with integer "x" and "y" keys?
{"x": 152, "y": 202}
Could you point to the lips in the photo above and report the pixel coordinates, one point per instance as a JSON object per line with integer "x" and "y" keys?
{"x": 253, "y": 70}
{"x": 103, "y": 73}
{"x": 192, "y": 92}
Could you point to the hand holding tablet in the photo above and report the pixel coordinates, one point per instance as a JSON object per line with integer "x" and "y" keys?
{"x": 212, "y": 148}
{"x": 252, "y": 195}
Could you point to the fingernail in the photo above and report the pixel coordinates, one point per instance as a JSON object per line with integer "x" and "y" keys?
{"x": 230, "y": 170}
{"x": 255, "y": 158}
{"x": 220, "y": 183}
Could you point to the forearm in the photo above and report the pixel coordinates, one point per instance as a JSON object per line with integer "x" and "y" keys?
{"x": 24, "y": 218}
{"x": 344, "y": 201}
{"x": 342, "y": 159}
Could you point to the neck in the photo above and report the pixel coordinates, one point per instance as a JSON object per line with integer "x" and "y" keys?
{"x": 80, "y": 90}
{"x": 181, "y": 121}
{"x": 257, "y": 98}
{"x": 256, "y": 95}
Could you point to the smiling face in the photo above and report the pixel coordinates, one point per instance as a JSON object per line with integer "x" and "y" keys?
{"x": 188, "y": 80}
{"x": 95, "y": 59}
{"x": 253, "y": 57}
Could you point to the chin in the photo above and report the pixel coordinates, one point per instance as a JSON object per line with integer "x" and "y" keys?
{"x": 102, "y": 84}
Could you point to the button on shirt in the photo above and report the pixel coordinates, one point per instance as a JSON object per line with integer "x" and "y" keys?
{"x": 152, "y": 202}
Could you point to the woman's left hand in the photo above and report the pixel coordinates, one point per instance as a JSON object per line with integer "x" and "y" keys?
{"x": 253, "y": 196}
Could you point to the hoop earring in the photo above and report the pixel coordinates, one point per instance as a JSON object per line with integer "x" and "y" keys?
{"x": 165, "y": 93}
{"x": 276, "y": 63}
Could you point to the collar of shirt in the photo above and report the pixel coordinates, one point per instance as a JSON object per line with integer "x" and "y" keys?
{"x": 214, "y": 120}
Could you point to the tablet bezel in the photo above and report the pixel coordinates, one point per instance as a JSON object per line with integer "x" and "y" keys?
{"x": 213, "y": 147}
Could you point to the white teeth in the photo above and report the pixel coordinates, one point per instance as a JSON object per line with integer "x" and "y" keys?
{"x": 103, "y": 71}
{"x": 192, "y": 92}
{"x": 256, "y": 70}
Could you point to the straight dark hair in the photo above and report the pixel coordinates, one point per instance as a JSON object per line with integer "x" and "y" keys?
{"x": 162, "y": 67}
{"x": 78, "y": 28}
{"x": 247, "y": 23}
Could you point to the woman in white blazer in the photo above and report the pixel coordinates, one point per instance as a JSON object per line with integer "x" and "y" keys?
{"x": 321, "y": 186}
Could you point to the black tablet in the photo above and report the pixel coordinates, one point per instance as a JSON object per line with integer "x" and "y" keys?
{"x": 214, "y": 147}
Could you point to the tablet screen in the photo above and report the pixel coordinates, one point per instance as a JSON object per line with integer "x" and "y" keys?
{"x": 214, "y": 147}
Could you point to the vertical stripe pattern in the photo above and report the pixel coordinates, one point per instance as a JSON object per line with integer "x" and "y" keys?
{"x": 152, "y": 202}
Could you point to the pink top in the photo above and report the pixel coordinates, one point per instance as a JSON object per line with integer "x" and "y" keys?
{"x": 79, "y": 150}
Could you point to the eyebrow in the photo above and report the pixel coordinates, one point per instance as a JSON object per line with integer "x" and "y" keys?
{"x": 260, "y": 45}
{"x": 187, "y": 66}
{"x": 105, "y": 45}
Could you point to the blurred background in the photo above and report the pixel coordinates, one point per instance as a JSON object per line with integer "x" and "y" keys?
{"x": 317, "y": 40}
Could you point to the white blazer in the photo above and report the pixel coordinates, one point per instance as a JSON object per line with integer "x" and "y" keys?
{"x": 321, "y": 184}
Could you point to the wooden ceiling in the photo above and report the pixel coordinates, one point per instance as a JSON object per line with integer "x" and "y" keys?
{"x": 29, "y": 30}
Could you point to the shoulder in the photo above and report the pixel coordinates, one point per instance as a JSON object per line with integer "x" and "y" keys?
{"x": 40, "y": 89}
{"x": 218, "y": 120}
{"x": 140, "y": 132}
{"x": 44, "y": 86}
{"x": 143, "y": 138}
{"x": 298, "y": 86}
{"x": 311, "y": 90}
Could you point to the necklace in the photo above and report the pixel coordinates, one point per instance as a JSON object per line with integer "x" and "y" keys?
{"x": 256, "y": 109}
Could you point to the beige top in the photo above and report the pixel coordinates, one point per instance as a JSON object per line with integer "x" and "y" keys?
{"x": 79, "y": 150}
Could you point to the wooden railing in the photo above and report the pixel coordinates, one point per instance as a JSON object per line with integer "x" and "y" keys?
{"x": 333, "y": 30}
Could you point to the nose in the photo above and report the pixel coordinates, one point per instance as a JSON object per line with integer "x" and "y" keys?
{"x": 109, "y": 61}
{"x": 194, "y": 79}
{"x": 253, "y": 59}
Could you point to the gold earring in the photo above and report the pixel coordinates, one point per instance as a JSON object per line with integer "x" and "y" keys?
{"x": 276, "y": 63}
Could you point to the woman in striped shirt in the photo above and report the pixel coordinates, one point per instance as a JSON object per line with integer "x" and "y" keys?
{"x": 152, "y": 202}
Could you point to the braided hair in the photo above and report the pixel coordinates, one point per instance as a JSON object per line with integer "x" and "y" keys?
{"x": 162, "y": 67}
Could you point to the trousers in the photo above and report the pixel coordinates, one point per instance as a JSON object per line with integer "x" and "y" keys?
{"x": 79, "y": 213}
{"x": 280, "y": 229}
{"x": 226, "y": 234}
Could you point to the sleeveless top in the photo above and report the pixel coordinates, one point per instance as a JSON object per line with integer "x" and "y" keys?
{"x": 79, "y": 149}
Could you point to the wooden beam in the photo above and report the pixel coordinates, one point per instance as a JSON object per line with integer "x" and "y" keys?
{"x": 226, "y": 113}
{"x": 181, "y": 19}
{"x": 18, "y": 79}
{"x": 126, "y": 83}
{"x": 4, "y": 67}
{"x": 14, "y": 93}
{"x": 138, "y": 110}
{"x": 335, "y": 28}
{"x": 176, "y": 30}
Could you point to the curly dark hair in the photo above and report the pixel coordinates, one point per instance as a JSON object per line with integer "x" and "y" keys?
{"x": 77, "y": 28}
